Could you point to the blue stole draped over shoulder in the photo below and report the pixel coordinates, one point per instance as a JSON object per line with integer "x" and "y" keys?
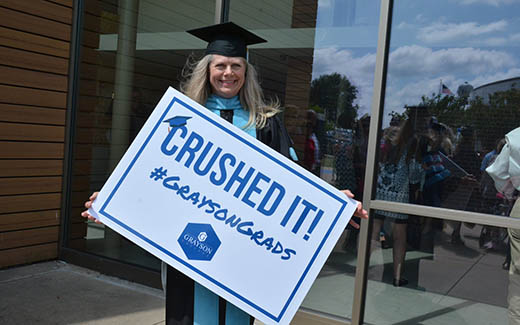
{"x": 206, "y": 303}
{"x": 240, "y": 115}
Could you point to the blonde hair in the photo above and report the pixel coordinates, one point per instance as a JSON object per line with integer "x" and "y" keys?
{"x": 196, "y": 86}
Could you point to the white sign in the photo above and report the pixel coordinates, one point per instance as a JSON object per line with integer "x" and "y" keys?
{"x": 224, "y": 209}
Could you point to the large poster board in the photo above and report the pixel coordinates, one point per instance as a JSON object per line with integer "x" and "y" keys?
{"x": 224, "y": 209}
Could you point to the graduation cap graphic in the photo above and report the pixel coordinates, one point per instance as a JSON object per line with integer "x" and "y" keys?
{"x": 177, "y": 121}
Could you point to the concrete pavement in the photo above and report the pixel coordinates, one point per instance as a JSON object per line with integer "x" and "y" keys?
{"x": 59, "y": 293}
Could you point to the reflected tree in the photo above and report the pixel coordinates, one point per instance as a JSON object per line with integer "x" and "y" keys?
{"x": 448, "y": 109}
{"x": 491, "y": 120}
{"x": 336, "y": 95}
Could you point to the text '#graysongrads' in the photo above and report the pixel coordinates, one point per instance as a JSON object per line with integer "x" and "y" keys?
{"x": 221, "y": 213}
{"x": 226, "y": 171}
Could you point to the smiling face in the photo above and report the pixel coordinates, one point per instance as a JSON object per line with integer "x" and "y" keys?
{"x": 226, "y": 75}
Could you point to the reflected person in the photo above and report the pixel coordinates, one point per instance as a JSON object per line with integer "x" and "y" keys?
{"x": 505, "y": 172}
{"x": 393, "y": 183}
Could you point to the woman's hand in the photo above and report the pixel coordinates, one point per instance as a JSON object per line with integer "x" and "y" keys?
{"x": 88, "y": 204}
{"x": 360, "y": 212}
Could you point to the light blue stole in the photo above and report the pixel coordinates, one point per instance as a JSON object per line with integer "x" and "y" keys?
{"x": 240, "y": 115}
{"x": 205, "y": 305}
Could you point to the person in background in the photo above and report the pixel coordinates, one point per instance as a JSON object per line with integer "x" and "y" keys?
{"x": 311, "y": 152}
{"x": 435, "y": 172}
{"x": 469, "y": 160}
{"x": 505, "y": 172}
{"x": 490, "y": 157}
{"x": 393, "y": 183}
{"x": 432, "y": 147}
{"x": 225, "y": 83}
{"x": 360, "y": 151}
{"x": 492, "y": 202}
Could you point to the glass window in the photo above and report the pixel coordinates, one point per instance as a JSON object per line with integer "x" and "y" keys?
{"x": 319, "y": 61}
{"x": 452, "y": 93}
{"x": 439, "y": 283}
{"x": 453, "y": 90}
{"x": 131, "y": 52}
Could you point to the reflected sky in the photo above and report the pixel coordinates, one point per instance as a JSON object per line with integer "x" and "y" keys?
{"x": 346, "y": 44}
{"x": 456, "y": 41}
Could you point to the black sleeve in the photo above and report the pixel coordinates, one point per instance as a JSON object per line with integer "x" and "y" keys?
{"x": 275, "y": 135}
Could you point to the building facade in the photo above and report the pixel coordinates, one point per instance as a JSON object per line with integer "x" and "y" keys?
{"x": 359, "y": 83}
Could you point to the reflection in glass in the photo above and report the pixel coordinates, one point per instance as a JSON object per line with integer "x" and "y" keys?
{"x": 453, "y": 82}
{"x": 319, "y": 62}
{"x": 340, "y": 95}
{"x": 131, "y": 52}
{"x": 447, "y": 284}
{"x": 399, "y": 172}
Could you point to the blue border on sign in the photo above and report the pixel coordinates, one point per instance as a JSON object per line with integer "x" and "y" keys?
{"x": 180, "y": 260}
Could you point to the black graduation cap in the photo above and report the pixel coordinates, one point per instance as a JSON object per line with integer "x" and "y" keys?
{"x": 227, "y": 39}
{"x": 177, "y": 121}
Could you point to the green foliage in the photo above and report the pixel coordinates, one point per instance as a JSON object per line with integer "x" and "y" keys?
{"x": 329, "y": 126}
{"x": 335, "y": 94}
{"x": 491, "y": 121}
{"x": 317, "y": 109}
{"x": 398, "y": 116}
{"x": 448, "y": 109}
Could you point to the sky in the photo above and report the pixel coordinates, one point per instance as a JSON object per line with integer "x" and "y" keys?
{"x": 456, "y": 41}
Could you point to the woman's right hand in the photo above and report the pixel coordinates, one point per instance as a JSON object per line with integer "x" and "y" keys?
{"x": 88, "y": 204}
{"x": 359, "y": 212}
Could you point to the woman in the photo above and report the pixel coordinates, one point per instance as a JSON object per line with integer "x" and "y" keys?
{"x": 227, "y": 84}
{"x": 393, "y": 183}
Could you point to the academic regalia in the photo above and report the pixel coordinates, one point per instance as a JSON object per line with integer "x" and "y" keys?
{"x": 188, "y": 303}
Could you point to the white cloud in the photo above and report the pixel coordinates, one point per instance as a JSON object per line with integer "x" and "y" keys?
{"x": 440, "y": 32}
{"x": 404, "y": 25}
{"x": 495, "y": 3}
{"x": 409, "y": 93}
{"x": 514, "y": 38}
{"x": 417, "y": 60}
{"x": 485, "y": 79}
{"x": 325, "y": 3}
{"x": 415, "y": 71}
{"x": 493, "y": 41}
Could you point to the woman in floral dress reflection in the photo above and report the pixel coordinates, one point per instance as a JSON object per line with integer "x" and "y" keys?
{"x": 396, "y": 167}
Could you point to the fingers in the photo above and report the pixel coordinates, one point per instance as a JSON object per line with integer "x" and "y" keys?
{"x": 88, "y": 205}
{"x": 85, "y": 214}
{"x": 360, "y": 212}
{"x": 93, "y": 196}
{"x": 91, "y": 199}
{"x": 348, "y": 193}
{"x": 354, "y": 224}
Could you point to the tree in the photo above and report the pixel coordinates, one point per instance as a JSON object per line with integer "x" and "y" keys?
{"x": 490, "y": 121}
{"x": 336, "y": 95}
{"x": 399, "y": 117}
{"x": 448, "y": 109}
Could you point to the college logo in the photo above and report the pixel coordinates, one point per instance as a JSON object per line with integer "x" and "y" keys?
{"x": 199, "y": 241}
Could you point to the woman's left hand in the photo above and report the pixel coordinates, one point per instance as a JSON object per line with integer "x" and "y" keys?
{"x": 360, "y": 212}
